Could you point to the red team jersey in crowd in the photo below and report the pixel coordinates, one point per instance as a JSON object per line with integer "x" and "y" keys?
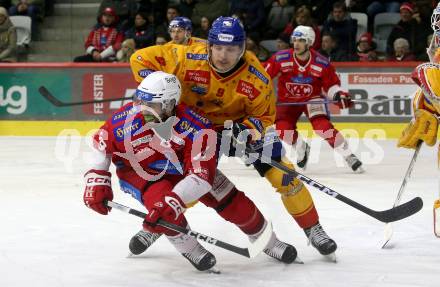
{"x": 128, "y": 141}
{"x": 300, "y": 82}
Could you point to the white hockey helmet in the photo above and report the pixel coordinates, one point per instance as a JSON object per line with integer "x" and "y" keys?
{"x": 303, "y": 32}
{"x": 435, "y": 19}
{"x": 159, "y": 87}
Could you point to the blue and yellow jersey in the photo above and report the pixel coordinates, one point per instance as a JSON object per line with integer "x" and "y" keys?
{"x": 245, "y": 95}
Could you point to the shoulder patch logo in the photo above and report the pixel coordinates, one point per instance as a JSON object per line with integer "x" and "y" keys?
{"x": 259, "y": 75}
{"x": 196, "y": 57}
{"x": 282, "y": 56}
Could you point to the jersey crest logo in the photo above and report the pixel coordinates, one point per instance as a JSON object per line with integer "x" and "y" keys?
{"x": 299, "y": 90}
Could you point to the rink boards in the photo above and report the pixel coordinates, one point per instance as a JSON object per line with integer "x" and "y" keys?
{"x": 383, "y": 91}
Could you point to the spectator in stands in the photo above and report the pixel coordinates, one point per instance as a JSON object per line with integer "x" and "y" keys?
{"x": 172, "y": 12}
{"x": 5, "y": 3}
{"x": 279, "y": 16}
{"x": 366, "y": 48}
{"x": 424, "y": 57}
{"x": 283, "y": 41}
{"x": 304, "y": 17}
{"x": 127, "y": 49}
{"x": 31, "y": 8}
{"x": 8, "y": 38}
{"x": 342, "y": 26}
{"x": 104, "y": 40}
{"x": 409, "y": 29}
{"x": 143, "y": 32}
{"x": 319, "y": 8}
{"x": 124, "y": 9}
{"x": 203, "y": 30}
{"x": 49, "y": 7}
{"x": 401, "y": 51}
{"x": 212, "y": 9}
{"x": 253, "y": 45}
{"x": 186, "y": 8}
{"x": 162, "y": 39}
{"x": 330, "y": 49}
{"x": 157, "y": 7}
{"x": 357, "y": 6}
{"x": 376, "y": 7}
{"x": 252, "y": 12}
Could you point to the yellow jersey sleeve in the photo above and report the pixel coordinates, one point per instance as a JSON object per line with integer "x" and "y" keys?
{"x": 264, "y": 106}
{"x": 167, "y": 58}
{"x": 421, "y": 103}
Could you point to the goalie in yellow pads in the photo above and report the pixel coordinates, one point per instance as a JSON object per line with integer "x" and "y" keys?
{"x": 423, "y": 127}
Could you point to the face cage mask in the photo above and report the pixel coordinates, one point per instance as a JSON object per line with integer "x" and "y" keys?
{"x": 208, "y": 45}
{"x": 430, "y": 96}
{"x": 435, "y": 23}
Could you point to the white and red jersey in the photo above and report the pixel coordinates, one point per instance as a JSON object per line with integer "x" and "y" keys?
{"x": 125, "y": 138}
{"x": 301, "y": 81}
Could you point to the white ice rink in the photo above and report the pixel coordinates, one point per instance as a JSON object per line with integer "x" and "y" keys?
{"x": 48, "y": 238}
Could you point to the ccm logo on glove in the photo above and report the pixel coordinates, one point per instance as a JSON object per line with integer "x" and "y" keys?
{"x": 175, "y": 205}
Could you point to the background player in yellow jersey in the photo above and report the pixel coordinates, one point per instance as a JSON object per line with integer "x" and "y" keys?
{"x": 227, "y": 83}
{"x": 180, "y": 29}
{"x": 426, "y": 104}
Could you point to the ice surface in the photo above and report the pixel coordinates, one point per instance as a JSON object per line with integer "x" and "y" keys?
{"x": 49, "y": 238}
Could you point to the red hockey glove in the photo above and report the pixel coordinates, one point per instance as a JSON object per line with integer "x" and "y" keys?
{"x": 343, "y": 100}
{"x": 98, "y": 189}
{"x": 163, "y": 205}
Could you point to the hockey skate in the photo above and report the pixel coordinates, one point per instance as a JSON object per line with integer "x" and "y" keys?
{"x": 354, "y": 163}
{"x": 141, "y": 241}
{"x": 197, "y": 255}
{"x": 302, "y": 154}
{"x": 321, "y": 241}
{"x": 277, "y": 249}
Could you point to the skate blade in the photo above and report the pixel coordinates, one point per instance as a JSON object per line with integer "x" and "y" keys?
{"x": 298, "y": 261}
{"x": 130, "y": 255}
{"x": 331, "y": 257}
{"x": 212, "y": 270}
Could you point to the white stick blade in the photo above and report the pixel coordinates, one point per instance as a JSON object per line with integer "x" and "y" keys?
{"x": 388, "y": 233}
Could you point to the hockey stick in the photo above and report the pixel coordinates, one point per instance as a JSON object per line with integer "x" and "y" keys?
{"x": 396, "y": 213}
{"x": 253, "y": 250}
{"x": 56, "y": 102}
{"x": 389, "y": 228}
{"x": 334, "y": 102}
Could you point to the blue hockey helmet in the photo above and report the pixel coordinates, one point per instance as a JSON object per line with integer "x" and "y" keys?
{"x": 181, "y": 22}
{"x": 226, "y": 31}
